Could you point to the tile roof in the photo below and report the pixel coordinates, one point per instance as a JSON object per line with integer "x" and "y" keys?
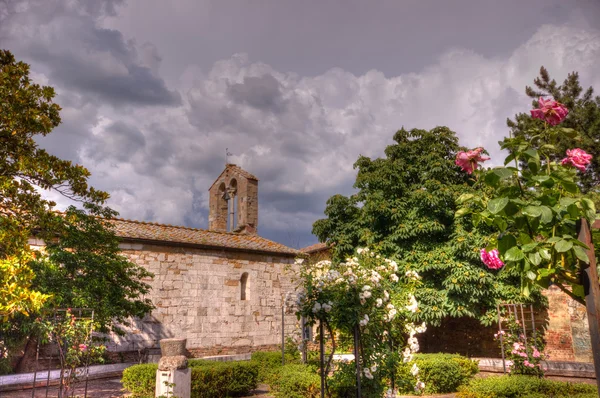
{"x": 317, "y": 247}
{"x": 169, "y": 234}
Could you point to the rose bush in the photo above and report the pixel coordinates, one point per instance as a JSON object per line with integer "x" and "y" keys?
{"x": 534, "y": 206}
{"x": 375, "y": 295}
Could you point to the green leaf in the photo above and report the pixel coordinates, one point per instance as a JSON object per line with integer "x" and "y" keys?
{"x": 510, "y": 158}
{"x": 532, "y": 153}
{"x": 535, "y": 258}
{"x": 554, "y": 239}
{"x": 505, "y": 243}
{"x": 563, "y": 246}
{"x": 545, "y": 254}
{"x": 503, "y": 172}
{"x": 529, "y": 247}
{"x": 464, "y": 198}
{"x": 541, "y": 178}
{"x": 581, "y": 254}
{"x": 578, "y": 291}
{"x": 461, "y": 212}
{"x": 566, "y": 201}
{"x": 500, "y": 223}
{"x": 532, "y": 211}
{"x": 545, "y": 272}
{"x": 531, "y": 275}
{"x": 514, "y": 254}
{"x": 569, "y": 186}
{"x": 495, "y": 206}
{"x": 569, "y": 132}
{"x": 547, "y": 215}
{"x": 492, "y": 179}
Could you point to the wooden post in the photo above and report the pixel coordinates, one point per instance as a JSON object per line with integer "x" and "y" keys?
{"x": 589, "y": 280}
{"x": 322, "y": 357}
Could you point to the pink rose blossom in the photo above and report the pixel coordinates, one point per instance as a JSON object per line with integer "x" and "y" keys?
{"x": 468, "y": 161}
{"x": 82, "y": 347}
{"x": 550, "y": 111}
{"x": 577, "y": 157}
{"x": 491, "y": 259}
{"x": 536, "y": 353}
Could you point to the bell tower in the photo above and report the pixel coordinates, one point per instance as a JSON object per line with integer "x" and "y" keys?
{"x": 233, "y": 201}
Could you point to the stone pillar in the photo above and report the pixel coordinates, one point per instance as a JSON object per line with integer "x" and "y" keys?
{"x": 173, "y": 377}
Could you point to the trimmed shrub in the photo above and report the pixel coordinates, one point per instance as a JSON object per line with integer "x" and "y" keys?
{"x": 296, "y": 381}
{"x": 223, "y": 379}
{"x": 269, "y": 363}
{"x": 518, "y": 386}
{"x": 209, "y": 379}
{"x": 140, "y": 380}
{"x": 444, "y": 373}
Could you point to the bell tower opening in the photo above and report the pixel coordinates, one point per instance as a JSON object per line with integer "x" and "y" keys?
{"x": 233, "y": 201}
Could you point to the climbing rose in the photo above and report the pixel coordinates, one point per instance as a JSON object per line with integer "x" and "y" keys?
{"x": 578, "y": 158}
{"x": 550, "y": 111}
{"x": 491, "y": 259}
{"x": 468, "y": 161}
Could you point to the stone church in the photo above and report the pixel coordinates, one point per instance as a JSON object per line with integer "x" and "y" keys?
{"x": 223, "y": 288}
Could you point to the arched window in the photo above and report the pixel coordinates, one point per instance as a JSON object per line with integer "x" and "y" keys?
{"x": 243, "y": 284}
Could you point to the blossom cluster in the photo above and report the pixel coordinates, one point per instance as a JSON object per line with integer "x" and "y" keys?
{"x": 523, "y": 354}
{"x": 379, "y": 292}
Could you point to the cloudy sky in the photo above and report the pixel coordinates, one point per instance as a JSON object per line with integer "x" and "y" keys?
{"x": 153, "y": 91}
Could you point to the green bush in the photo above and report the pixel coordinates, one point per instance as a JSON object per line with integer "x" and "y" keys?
{"x": 140, "y": 380}
{"x": 223, "y": 379}
{"x": 297, "y": 381}
{"x": 444, "y": 373}
{"x": 209, "y": 379}
{"x": 524, "y": 387}
{"x": 269, "y": 363}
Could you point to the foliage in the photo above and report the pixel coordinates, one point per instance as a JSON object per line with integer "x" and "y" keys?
{"x": 296, "y": 381}
{"x": 73, "y": 337}
{"x": 524, "y": 386}
{"x": 84, "y": 268}
{"x": 27, "y": 111}
{"x": 209, "y": 379}
{"x": 523, "y": 354}
{"x": 140, "y": 380}
{"x": 443, "y": 373}
{"x": 269, "y": 364}
{"x": 371, "y": 296}
{"x": 534, "y": 210}
{"x": 405, "y": 207}
{"x": 584, "y": 116}
{"x": 17, "y": 295}
{"x": 223, "y": 379}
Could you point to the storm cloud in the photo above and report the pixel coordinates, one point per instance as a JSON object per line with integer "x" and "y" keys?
{"x": 152, "y": 96}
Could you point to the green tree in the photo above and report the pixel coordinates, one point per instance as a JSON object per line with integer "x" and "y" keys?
{"x": 584, "y": 117}
{"x": 81, "y": 265}
{"x": 405, "y": 206}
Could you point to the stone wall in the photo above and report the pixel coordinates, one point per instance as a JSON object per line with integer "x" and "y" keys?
{"x": 567, "y": 334}
{"x": 197, "y": 294}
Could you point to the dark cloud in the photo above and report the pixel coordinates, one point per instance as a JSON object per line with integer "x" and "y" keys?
{"x": 261, "y": 92}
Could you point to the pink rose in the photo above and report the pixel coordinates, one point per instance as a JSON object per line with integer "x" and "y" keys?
{"x": 536, "y": 353}
{"x": 468, "y": 161}
{"x": 82, "y": 347}
{"x": 550, "y": 111}
{"x": 491, "y": 259}
{"x": 577, "y": 157}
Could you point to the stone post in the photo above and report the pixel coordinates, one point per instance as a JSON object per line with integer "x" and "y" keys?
{"x": 173, "y": 377}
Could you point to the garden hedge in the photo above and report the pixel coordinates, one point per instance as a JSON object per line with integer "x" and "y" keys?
{"x": 443, "y": 373}
{"x": 515, "y": 386}
{"x": 209, "y": 379}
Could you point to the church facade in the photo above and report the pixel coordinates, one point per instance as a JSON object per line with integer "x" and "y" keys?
{"x": 223, "y": 288}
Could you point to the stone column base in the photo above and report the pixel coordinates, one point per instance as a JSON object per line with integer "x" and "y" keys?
{"x": 174, "y": 383}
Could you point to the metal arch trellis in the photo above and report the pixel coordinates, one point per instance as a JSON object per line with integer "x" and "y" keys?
{"x": 54, "y": 317}
{"x": 518, "y": 312}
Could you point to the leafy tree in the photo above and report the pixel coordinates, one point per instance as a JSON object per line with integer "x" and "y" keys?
{"x": 80, "y": 265}
{"x": 405, "y": 206}
{"x": 84, "y": 269}
{"x": 584, "y": 117}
